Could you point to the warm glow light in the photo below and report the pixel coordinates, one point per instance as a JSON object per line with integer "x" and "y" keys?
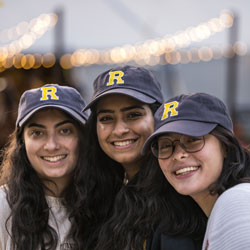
{"x": 7, "y": 63}
{"x": 49, "y": 60}
{"x": 38, "y": 61}
{"x": 240, "y": 48}
{"x": 65, "y": 61}
{"x": 217, "y": 52}
{"x": 205, "y": 54}
{"x": 193, "y": 53}
{"x": 25, "y": 34}
{"x": 173, "y": 57}
{"x": 149, "y": 52}
{"x": 227, "y": 18}
{"x": 185, "y": 57}
{"x": 28, "y": 61}
{"x": 17, "y": 61}
{"x": 3, "y": 53}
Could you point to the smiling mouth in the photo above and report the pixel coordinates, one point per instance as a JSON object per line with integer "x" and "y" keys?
{"x": 123, "y": 143}
{"x": 185, "y": 170}
{"x": 54, "y": 158}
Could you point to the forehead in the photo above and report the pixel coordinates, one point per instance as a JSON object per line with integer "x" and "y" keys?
{"x": 171, "y": 135}
{"x": 52, "y": 114}
{"x": 117, "y": 101}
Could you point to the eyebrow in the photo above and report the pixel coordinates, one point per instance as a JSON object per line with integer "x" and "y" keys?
{"x": 42, "y": 126}
{"x": 122, "y": 109}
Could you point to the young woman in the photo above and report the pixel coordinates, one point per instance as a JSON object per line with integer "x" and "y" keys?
{"x": 38, "y": 171}
{"x": 124, "y": 101}
{"x": 202, "y": 159}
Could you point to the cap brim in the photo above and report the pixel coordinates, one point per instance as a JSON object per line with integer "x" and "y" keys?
{"x": 72, "y": 113}
{"x": 185, "y": 127}
{"x": 123, "y": 91}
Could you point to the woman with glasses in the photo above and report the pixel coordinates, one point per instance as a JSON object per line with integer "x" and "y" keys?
{"x": 204, "y": 163}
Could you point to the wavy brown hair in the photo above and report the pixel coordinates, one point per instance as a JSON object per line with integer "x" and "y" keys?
{"x": 25, "y": 194}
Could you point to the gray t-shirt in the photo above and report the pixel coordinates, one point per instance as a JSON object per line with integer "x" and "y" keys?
{"x": 58, "y": 219}
{"x": 228, "y": 226}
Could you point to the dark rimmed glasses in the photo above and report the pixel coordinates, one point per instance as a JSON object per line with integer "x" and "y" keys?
{"x": 163, "y": 147}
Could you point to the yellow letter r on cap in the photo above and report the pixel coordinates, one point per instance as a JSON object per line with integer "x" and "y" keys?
{"x": 115, "y": 75}
{"x": 49, "y": 91}
{"x": 170, "y": 107}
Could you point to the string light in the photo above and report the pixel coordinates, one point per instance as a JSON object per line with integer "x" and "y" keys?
{"x": 24, "y": 34}
{"x": 167, "y": 50}
{"x": 149, "y": 51}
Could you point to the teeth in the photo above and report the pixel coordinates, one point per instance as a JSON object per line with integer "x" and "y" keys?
{"x": 53, "y": 158}
{"x": 185, "y": 170}
{"x": 123, "y": 143}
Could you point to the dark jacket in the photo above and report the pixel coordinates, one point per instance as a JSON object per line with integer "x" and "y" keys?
{"x": 161, "y": 241}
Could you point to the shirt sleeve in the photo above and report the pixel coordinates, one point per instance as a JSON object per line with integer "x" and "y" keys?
{"x": 229, "y": 223}
{"x": 4, "y": 214}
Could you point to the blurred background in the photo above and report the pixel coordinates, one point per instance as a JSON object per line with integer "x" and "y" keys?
{"x": 190, "y": 46}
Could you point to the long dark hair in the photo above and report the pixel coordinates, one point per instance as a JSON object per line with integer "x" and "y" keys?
{"x": 236, "y": 163}
{"x": 110, "y": 222}
{"x": 97, "y": 183}
{"x": 25, "y": 194}
{"x": 183, "y": 215}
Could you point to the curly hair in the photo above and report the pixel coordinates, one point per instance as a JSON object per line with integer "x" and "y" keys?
{"x": 25, "y": 194}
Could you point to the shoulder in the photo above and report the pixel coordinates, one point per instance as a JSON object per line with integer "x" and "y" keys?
{"x": 4, "y": 208}
{"x": 229, "y": 222}
{"x": 234, "y": 201}
{"x": 236, "y": 197}
{"x": 3, "y": 199}
{"x": 4, "y": 214}
{"x": 233, "y": 204}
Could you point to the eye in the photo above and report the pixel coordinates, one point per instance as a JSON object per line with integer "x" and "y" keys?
{"x": 193, "y": 140}
{"x": 164, "y": 146}
{"x": 134, "y": 115}
{"x": 36, "y": 133}
{"x": 65, "y": 131}
{"x": 105, "y": 119}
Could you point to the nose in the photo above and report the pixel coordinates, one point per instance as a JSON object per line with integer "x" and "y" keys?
{"x": 120, "y": 128}
{"x": 51, "y": 143}
{"x": 179, "y": 152}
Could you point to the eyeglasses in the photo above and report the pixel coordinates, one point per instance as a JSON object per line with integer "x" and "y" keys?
{"x": 163, "y": 147}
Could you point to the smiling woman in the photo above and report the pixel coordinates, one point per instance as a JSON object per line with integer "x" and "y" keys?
{"x": 52, "y": 147}
{"x": 203, "y": 163}
{"x": 37, "y": 194}
{"x": 123, "y": 125}
{"x": 122, "y": 216}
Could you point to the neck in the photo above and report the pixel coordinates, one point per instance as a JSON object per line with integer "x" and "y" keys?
{"x": 55, "y": 187}
{"x": 206, "y": 202}
{"x": 131, "y": 170}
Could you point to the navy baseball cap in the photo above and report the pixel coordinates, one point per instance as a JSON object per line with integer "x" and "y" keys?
{"x": 195, "y": 114}
{"x": 136, "y": 82}
{"x": 51, "y": 96}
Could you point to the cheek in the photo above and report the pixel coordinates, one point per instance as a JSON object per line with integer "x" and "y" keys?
{"x": 213, "y": 158}
{"x": 164, "y": 165}
{"x": 147, "y": 126}
{"x": 100, "y": 131}
{"x": 30, "y": 147}
{"x": 73, "y": 145}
